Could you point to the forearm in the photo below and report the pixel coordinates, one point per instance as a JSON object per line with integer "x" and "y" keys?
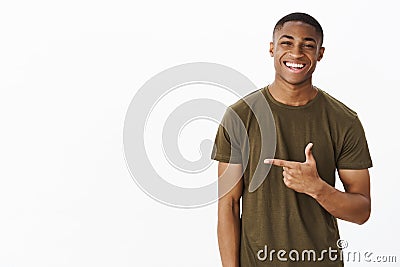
{"x": 352, "y": 207}
{"x": 229, "y": 234}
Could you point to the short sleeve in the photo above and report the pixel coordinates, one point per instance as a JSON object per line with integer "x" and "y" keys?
{"x": 354, "y": 153}
{"x": 227, "y": 147}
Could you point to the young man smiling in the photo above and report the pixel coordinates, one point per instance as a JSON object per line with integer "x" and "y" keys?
{"x": 295, "y": 209}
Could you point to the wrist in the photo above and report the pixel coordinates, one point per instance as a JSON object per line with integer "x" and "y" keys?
{"x": 318, "y": 189}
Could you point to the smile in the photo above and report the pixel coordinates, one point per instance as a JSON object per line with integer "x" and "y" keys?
{"x": 294, "y": 66}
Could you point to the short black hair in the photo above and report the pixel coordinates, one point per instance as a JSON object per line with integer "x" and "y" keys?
{"x": 303, "y": 17}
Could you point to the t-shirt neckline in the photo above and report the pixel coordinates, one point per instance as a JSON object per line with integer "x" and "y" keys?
{"x": 282, "y": 105}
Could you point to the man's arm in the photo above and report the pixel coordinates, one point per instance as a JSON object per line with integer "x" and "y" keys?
{"x": 354, "y": 205}
{"x": 229, "y": 213}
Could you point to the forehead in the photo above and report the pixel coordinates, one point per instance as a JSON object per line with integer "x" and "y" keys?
{"x": 297, "y": 29}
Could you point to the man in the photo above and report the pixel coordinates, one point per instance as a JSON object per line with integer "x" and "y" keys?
{"x": 290, "y": 219}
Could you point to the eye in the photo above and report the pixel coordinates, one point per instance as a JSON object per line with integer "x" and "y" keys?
{"x": 285, "y": 43}
{"x": 309, "y": 46}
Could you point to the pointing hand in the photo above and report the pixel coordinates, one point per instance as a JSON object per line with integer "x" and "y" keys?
{"x": 302, "y": 177}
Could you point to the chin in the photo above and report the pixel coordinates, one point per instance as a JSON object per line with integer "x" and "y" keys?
{"x": 295, "y": 82}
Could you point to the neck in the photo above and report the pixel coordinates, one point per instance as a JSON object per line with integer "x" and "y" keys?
{"x": 292, "y": 95}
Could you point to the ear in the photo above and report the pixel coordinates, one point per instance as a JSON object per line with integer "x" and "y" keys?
{"x": 321, "y": 53}
{"x": 271, "y": 49}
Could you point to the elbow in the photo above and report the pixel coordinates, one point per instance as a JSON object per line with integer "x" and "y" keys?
{"x": 365, "y": 216}
{"x": 363, "y": 220}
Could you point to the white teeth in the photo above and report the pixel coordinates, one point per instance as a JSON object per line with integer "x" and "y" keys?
{"x": 294, "y": 65}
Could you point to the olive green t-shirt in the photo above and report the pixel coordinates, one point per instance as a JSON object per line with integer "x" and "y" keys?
{"x": 275, "y": 217}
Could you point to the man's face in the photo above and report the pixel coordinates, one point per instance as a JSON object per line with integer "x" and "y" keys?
{"x": 296, "y": 48}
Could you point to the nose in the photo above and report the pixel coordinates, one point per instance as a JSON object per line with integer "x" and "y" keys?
{"x": 296, "y": 52}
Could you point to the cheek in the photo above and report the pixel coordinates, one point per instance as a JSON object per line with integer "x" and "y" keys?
{"x": 276, "y": 61}
{"x": 313, "y": 57}
{"x": 278, "y": 54}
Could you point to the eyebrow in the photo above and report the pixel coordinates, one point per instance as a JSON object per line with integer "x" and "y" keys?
{"x": 292, "y": 38}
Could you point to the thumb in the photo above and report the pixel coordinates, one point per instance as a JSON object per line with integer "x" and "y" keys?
{"x": 308, "y": 152}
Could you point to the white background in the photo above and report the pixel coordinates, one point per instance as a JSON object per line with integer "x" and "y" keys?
{"x": 68, "y": 71}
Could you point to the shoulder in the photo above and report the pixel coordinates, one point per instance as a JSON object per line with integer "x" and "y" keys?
{"x": 336, "y": 108}
{"x": 249, "y": 103}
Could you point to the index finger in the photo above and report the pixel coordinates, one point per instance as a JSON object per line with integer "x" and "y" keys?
{"x": 280, "y": 163}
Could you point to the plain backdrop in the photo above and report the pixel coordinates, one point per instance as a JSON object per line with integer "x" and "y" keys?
{"x": 68, "y": 71}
